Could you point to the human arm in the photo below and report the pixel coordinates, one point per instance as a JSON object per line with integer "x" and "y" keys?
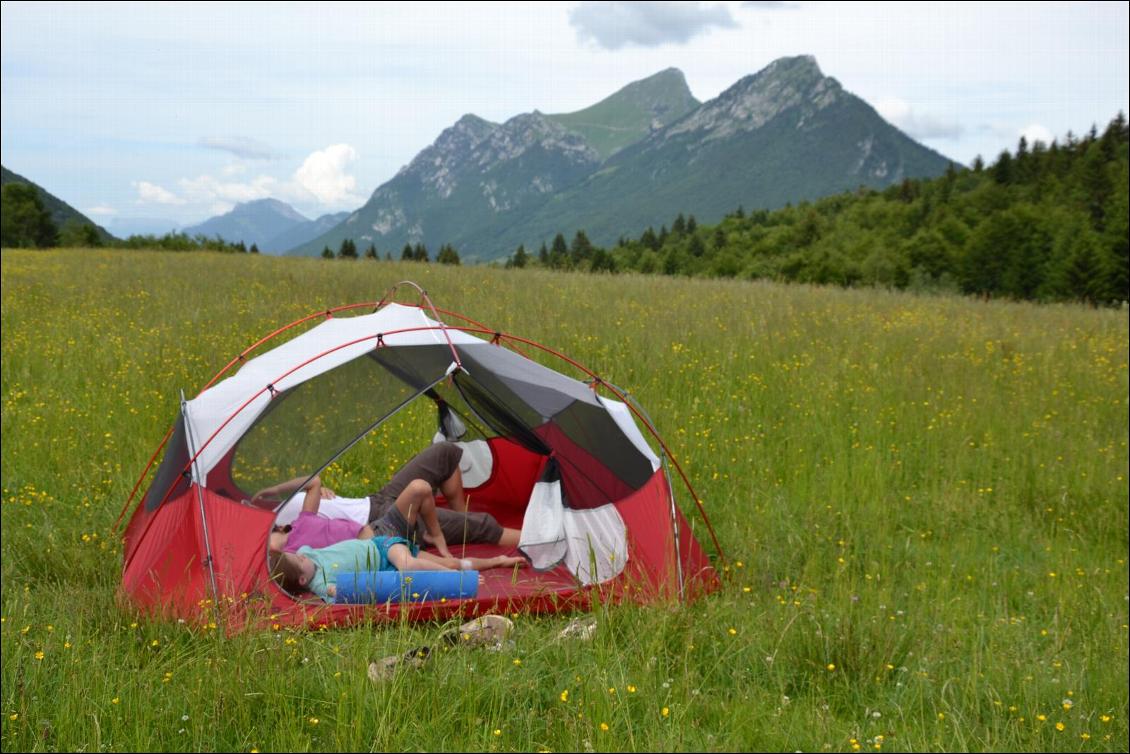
{"x": 282, "y": 490}
{"x": 313, "y": 498}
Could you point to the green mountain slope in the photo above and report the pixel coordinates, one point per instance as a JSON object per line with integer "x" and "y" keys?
{"x": 61, "y": 212}
{"x": 633, "y": 112}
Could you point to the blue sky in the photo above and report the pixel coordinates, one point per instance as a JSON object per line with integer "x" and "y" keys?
{"x": 177, "y": 112}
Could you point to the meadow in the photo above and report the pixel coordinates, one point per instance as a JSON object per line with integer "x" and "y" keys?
{"x": 922, "y": 503}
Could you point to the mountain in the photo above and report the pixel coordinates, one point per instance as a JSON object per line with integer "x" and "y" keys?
{"x": 303, "y": 232}
{"x": 479, "y": 175}
{"x": 258, "y": 222}
{"x": 633, "y": 112}
{"x": 785, "y": 134}
{"x": 61, "y": 212}
{"x": 475, "y": 176}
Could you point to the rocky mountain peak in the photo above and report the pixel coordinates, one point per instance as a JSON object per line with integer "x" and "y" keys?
{"x": 758, "y": 98}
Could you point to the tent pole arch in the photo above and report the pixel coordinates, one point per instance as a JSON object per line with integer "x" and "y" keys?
{"x": 378, "y": 337}
{"x": 327, "y": 313}
{"x": 497, "y": 337}
{"x": 654, "y": 433}
{"x": 636, "y": 408}
{"x": 242, "y": 356}
{"x": 423, "y": 298}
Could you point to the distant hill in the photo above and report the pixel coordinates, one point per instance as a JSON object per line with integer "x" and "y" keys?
{"x": 61, "y": 212}
{"x": 785, "y": 134}
{"x": 303, "y": 232}
{"x": 259, "y": 222}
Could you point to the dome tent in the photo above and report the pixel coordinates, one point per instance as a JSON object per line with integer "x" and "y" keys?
{"x": 543, "y": 452}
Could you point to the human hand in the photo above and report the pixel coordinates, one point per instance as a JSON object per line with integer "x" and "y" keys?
{"x": 328, "y": 494}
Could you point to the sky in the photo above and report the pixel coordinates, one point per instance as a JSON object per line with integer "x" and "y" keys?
{"x": 150, "y": 115}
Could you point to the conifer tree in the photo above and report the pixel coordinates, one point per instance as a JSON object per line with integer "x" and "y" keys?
{"x": 559, "y": 253}
{"x": 519, "y": 258}
{"x": 447, "y": 255}
{"x": 581, "y": 250}
{"x": 679, "y": 227}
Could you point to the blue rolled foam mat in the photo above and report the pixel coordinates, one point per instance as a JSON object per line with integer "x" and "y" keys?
{"x": 405, "y": 586}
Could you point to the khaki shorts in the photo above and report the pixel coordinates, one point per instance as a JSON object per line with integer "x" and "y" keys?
{"x": 434, "y": 465}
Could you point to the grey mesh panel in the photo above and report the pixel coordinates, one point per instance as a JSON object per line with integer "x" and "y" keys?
{"x": 169, "y": 474}
{"x": 309, "y": 425}
{"x": 542, "y": 389}
{"x": 417, "y": 366}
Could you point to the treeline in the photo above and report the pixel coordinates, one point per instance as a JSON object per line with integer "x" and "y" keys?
{"x": 410, "y": 253}
{"x": 1045, "y": 223}
{"x": 183, "y": 242}
{"x": 27, "y": 224}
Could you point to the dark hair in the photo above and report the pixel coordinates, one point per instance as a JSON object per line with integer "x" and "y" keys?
{"x": 285, "y": 572}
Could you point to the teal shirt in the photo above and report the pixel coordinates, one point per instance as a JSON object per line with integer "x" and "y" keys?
{"x": 348, "y": 556}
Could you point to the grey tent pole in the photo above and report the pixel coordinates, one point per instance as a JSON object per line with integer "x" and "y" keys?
{"x": 674, "y": 523}
{"x": 208, "y": 559}
{"x": 451, "y": 369}
{"x": 670, "y": 489}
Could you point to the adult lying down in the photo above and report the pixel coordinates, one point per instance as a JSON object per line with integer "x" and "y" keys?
{"x": 394, "y": 510}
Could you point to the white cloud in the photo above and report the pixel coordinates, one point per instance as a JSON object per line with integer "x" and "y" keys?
{"x": 322, "y": 179}
{"x": 1035, "y": 132}
{"x": 613, "y": 25}
{"x": 323, "y": 174}
{"x": 101, "y": 211}
{"x": 206, "y": 189}
{"x": 917, "y": 124}
{"x": 152, "y": 193}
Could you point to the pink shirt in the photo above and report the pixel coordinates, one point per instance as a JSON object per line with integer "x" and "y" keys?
{"x": 311, "y": 530}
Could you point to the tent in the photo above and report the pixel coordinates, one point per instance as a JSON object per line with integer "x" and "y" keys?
{"x": 561, "y": 458}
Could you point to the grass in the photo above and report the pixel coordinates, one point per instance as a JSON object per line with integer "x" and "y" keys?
{"x": 923, "y": 503}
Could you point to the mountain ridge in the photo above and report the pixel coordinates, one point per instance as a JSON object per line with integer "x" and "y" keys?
{"x": 783, "y": 134}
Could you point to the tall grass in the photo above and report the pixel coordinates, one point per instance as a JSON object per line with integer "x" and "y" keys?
{"x": 922, "y": 500}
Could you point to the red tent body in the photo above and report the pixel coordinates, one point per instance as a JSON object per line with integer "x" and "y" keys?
{"x": 193, "y": 550}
